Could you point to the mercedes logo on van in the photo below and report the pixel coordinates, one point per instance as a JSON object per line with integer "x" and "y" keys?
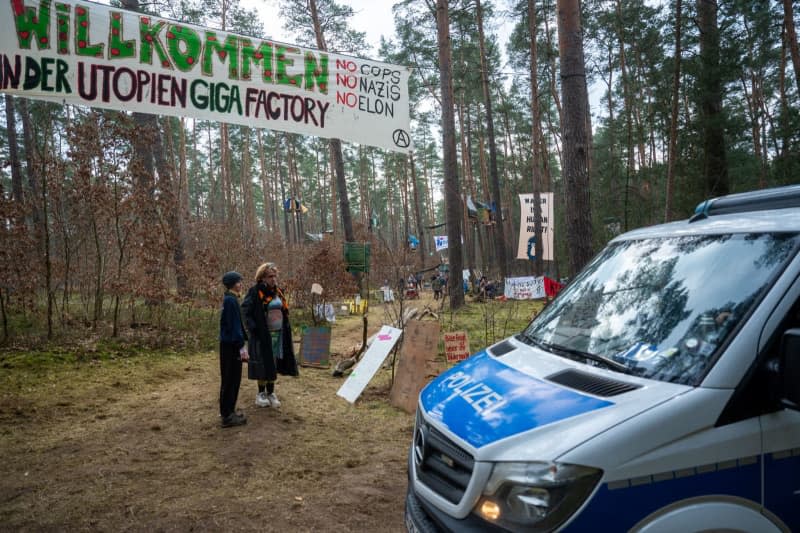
{"x": 419, "y": 445}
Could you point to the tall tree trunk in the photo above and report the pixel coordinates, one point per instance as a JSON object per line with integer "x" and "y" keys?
{"x": 417, "y": 211}
{"x": 182, "y": 195}
{"x": 627, "y": 104}
{"x": 472, "y": 238}
{"x": 715, "y": 165}
{"x": 247, "y": 189}
{"x": 501, "y": 245}
{"x": 576, "y": 149}
{"x": 336, "y": 144}
{"x": 13, "y": 151}
{"x": 791, "y": 37}
{"x": 536, "y": 132}
{"x": 672, "y": 156}
{"x": 265, "y": 188}
{"x": 217, "y": 205}
{"x": 452, "y": 188}
{"x": 30, "y": 171}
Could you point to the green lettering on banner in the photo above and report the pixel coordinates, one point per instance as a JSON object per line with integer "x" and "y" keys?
{"x": 28, "y": 24}
{"x": 176, "y": 35}
{"x": 62, "y": 25}
{"x": 116, "y": 46}
{"x": 150, "y": 39}
{"x": 317, "y": 73}
{"x": 82, "y": 45}
{"x": 283, "y": 62}
{"x": 262, "y": 55}
{"x": 229, "y": 51}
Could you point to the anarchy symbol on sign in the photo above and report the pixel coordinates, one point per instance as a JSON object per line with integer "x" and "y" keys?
{"x": 401, "y": 138}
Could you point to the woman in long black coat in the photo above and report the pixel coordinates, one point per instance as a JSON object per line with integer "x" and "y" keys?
{"x": 270, "y": 347}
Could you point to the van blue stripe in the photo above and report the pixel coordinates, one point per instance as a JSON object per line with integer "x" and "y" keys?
{"x": 619, "y": 509}
{"x": 482, "y": 401}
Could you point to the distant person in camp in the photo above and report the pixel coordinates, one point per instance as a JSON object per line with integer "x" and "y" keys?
{"x": 436, "y": 285}
{"x": 482, "y": 285}
{"x": 266, "y": 314}
{"x": 232, "y": 352}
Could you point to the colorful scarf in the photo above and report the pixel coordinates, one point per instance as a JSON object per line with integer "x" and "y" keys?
{"x": 266, "y": 295}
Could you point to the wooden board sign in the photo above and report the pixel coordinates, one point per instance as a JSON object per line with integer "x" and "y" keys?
{"x": 315, "y": 346}
{"x": 456, "y": 346}
{"x": 417, "y": 363}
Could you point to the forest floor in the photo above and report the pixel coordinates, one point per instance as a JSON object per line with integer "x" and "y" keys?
{"x": 130, "y": 444}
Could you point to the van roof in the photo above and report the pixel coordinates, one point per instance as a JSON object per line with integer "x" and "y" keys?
{"x": 767, "y": 210}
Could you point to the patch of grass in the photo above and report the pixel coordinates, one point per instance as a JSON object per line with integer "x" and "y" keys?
{"x": 491, "y": 321}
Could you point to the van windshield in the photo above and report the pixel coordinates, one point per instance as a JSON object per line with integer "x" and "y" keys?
{"x": 662, "y": 307}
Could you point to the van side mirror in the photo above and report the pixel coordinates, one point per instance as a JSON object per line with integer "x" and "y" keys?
{"x": 790, "y": 369}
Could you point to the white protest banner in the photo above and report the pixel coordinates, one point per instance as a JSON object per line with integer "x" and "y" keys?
{"x": 526, "y": 248}
{"x": 355, "y": 383}
{"x": 102, "y": 56}
{"x": 440, "y": 241}
{"x": 524, "y": 288}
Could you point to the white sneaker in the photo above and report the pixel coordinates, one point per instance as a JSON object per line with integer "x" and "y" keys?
{"x": 262, "y": 400}
{"x": 273, "y": 400}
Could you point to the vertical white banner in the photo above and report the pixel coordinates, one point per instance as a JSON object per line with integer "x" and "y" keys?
{"x": 526, "y": 248}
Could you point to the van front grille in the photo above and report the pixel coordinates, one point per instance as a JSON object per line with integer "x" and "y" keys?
{"x": 440, "y": 464}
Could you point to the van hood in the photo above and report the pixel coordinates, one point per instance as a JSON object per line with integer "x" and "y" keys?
{"x": 493, "y": 406}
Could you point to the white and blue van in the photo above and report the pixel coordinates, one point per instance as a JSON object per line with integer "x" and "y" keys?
{"x": 660, "y": 391}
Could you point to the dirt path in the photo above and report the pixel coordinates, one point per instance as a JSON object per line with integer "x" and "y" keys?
{"x": 131, "y": 445}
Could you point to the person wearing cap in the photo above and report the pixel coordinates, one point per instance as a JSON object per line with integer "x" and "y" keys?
{"x": 266, "y": 315}
{"x": 232, "y": 352}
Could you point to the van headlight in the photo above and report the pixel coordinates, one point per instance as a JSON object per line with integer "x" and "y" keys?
{"x": 535, "y": 495}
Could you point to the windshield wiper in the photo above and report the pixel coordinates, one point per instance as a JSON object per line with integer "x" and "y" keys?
{"x": 572, "y": 353}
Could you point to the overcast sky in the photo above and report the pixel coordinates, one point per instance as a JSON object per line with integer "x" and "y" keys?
{"x": 374, "y": 17}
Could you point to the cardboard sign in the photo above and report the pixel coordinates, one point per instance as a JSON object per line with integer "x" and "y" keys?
{"x": 355, "y": 383}
{"x": 315, "y": 346}
{"x": 456, "y": 346}
{"x": 417, "y": 363}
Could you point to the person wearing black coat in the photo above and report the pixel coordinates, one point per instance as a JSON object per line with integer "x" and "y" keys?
{"x": 266, "y": 314}
{"x": 232, "y": 337}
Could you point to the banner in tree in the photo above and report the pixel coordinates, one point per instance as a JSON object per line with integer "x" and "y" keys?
{"x": 526, "y": 249}
{"x": 96, "y": 55}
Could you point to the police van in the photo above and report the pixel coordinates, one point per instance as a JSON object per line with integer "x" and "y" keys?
{"x": 660, "y": 391}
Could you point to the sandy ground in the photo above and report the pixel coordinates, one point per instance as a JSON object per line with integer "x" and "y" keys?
{"x": 132, "y": 445}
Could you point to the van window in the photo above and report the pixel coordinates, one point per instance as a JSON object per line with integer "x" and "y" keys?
{"x": 662, "y": 307}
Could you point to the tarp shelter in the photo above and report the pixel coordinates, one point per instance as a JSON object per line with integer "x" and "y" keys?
{"x": 294, "y": 205}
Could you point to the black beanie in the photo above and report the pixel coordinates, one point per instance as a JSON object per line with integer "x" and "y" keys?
{"x": 231, "y": 278}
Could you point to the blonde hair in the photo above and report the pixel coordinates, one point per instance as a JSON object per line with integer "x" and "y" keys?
{"x": 262, "y": 270}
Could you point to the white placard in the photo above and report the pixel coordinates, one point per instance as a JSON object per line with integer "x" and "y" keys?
{"x": 524, "y": 288}
{"x": 103, "y": 56}
{"x": 357, "y": 381}
{"x": 526, "y": 226}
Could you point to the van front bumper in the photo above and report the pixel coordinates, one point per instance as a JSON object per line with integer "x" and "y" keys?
{"x": 422, "y": 517}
